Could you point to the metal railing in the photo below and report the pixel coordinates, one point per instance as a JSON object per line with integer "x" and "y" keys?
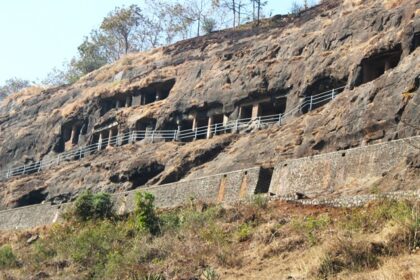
{"x": 310, "y": 103}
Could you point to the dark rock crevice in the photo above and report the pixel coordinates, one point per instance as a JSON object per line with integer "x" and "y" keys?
{"x": 33, "y": 197}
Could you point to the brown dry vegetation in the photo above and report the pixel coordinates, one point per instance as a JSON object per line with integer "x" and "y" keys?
{"x": 252, "y": 240}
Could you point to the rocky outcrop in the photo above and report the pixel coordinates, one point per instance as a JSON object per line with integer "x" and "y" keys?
{"x": 370, "y": 48}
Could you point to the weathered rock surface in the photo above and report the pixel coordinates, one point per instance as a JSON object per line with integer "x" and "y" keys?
{"x": 328, "y": 46}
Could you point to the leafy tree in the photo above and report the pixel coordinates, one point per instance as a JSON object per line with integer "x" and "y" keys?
{"x": 91, "y": 55}
{"x": 13, "y": 85}
{"x": 122, "y": 24}
{"x": 83, "y": 206}
{"x": 93, "y": 206}
{"x": 145, "y": 212}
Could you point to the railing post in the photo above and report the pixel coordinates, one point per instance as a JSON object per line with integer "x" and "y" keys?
{"x": 8, "y": 174}
{"x": 333, "y": 94}
{"x": 39, "y": 166}
{"x": 58, "y": 159}
{"x": 310, "y": 103}
{"x": 236, "y": 125}
{"x": 153, "y": 135}
{"x": 195, "y": 134}
{"x": 24, "y": 169}
{"x": 131, "y": 137}
{"x": 258, "y": 122}
{"x": 279, "y": 122}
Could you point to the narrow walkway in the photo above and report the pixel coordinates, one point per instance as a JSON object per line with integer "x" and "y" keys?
{"x": 208, "y": 131}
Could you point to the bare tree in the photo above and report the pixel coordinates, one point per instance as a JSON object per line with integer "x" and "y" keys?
{"x": 13, "y": 85}
{"x": 230, "y": 5}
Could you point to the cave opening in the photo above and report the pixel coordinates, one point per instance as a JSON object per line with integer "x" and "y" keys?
{"x": 318, "y": 93}
{"x": 142, "y": 175}
{"x": 246, "y": 112}
{"x": 218, "y": 123}
{"x": 186, "y": 130}
{"x": 201, "y": 126}
{"x": 273, "y": 108}
{"x": 416, "y": 41}
{"x": 128, "y": 101}
{"x": 95, "y": 138}
{"x": 31, "y": 198}
{"x": 145, "y": 128}
{"x": 375, "y": 66}
{"x": 153, "y": 92}
{"x": 75, "y": 134}
{"x": 105, "y": 139}
{"x": 113, "y": 136}
{"x": 107, "y": 105}
{"x": 149, "y": 96}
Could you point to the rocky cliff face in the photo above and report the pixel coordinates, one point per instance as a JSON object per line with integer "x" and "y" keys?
{"x": 370, "y": 48}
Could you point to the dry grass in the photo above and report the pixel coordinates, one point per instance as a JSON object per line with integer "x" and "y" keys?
{"x": 248, "y": 241}
{"x": 391, "y": 4}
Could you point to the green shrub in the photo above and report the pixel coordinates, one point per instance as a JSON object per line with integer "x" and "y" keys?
{"x": 373, "y": 218}
{"x": 311, "y": 225}
{"x": 102, "y": 206}
{"x": 151, "y": 276}
{"x": 7, "y": 257}
{"x": 260, "y": 201}
{"x": 244, "y": 232}
{"x": 83, "y": 206}
{"x": 213, "y": 234}
{"x": 145, "y": 213}
{"x": 169, "y": 221}
{"x": 42, "y": 251}
{"x": 210, "y": 274}
{"x": 93, "y": 206}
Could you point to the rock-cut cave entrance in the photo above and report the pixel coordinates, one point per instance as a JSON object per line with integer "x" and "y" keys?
{"x": 375, "y": 66}
{"x": 272, "y": 108}
{"x": 246, "y": 112}
{"x": 145, "y": 128}
{"x": 200, "y": 126}
{"x": 317, "y": 94}
{"x": 416, "y": 41}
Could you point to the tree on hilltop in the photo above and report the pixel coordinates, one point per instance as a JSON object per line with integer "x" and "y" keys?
{"x": 13, "y": 85}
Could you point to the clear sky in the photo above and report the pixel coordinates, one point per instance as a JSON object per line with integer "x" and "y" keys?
{"x": 38, "y": 35}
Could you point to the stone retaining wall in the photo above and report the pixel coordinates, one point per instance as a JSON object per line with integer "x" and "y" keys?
{"x": 325, "y": 173}
{"x": 354, "y": 201}
{"x": 221, "y": 188}
{"x": 312, "y": 176}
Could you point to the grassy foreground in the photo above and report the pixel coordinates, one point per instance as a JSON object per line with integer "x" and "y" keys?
{"x": 253, "y": 240}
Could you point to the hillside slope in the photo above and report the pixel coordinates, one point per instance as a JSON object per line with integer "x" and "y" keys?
{"x": 334, "y": 44}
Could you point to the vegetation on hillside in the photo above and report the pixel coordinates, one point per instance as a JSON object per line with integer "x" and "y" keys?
{"x": 252, "y": 239}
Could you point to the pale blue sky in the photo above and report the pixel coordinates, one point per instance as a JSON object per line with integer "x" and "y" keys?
{"x": 38, "y": 35}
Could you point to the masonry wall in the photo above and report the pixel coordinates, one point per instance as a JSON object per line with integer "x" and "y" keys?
{"x": 30, "y": 216}
{"x": 325, "y": 173}
{"x": 221, "y": 188}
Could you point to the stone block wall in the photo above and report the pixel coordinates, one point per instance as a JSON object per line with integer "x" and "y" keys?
{"x": 325, "y": 173}
{"x": 220, "y": 188}
{"x": 31, "y": 216}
